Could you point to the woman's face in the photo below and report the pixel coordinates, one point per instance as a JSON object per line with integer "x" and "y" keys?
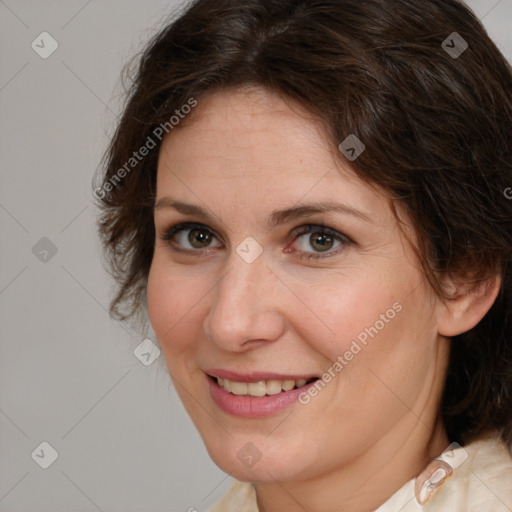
{"x": 275, "y": 263}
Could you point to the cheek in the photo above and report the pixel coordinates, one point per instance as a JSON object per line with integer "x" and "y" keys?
{"x": 173, "y": 306}
{"x": 380, "y": 332}
{"x": 386, "y": 352}
{"x": 343, "y": 309}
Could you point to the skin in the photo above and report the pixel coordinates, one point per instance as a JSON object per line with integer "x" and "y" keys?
{"x": 241, "y": 155}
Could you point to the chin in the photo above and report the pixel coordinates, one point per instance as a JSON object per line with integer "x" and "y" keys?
{"x": 244, "y": 461}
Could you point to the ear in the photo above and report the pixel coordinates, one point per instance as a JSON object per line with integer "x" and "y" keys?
{"x": 467, "y": 304}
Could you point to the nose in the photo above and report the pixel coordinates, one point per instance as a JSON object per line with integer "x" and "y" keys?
{"x": 245, "y": 310}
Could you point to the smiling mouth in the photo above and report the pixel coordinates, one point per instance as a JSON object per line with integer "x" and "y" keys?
{"x": 260, "y": 388}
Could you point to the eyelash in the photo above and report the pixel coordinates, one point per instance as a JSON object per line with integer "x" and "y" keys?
{"x": 344, "y": 240}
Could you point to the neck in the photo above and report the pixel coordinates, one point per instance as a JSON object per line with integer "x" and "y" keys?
{"x": 367, "y": 482}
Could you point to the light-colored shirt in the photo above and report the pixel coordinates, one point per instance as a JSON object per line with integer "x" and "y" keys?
{"x": 473, "y": 478}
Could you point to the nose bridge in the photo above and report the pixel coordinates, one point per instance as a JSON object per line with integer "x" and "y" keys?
{"x": 243, "y": 307}
{"x": 239, "y": 283}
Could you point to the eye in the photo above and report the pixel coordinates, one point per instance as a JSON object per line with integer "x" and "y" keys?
{"x": 319, "y": 241}
{"x": 191, "y": 237}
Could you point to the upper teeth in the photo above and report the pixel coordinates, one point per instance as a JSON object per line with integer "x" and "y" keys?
{"x": 261, "y": 388}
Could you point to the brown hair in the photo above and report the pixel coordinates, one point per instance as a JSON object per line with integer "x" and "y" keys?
{"x": 437, "y": 127}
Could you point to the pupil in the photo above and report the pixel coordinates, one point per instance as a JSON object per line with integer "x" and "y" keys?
{"x": 199, "y": 239}
{"x": 321, "y": 242}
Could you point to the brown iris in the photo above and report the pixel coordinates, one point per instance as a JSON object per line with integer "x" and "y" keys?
{"x": 199, "y": 238}
{"x": 321, "y": 241}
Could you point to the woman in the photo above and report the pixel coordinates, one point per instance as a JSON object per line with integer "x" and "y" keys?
{"x": 308, "y": 199}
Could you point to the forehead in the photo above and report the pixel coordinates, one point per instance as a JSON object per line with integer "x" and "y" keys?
{"x": 249, "y": 123}
{"x": 253, "y": 147}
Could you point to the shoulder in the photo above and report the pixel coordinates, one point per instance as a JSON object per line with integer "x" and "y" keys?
{"x": 479, "y": 480}
{"x": 241, "y": 497}
{"x": 482, "y": 482}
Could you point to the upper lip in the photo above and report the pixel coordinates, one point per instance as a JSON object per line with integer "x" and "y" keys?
{"x": 255, "y": 376}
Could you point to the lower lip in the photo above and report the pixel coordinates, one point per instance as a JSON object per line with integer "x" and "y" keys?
{"x": 254, "y": 407}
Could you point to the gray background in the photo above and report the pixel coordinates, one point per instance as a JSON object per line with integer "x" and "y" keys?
{"x": 68, "y": 374}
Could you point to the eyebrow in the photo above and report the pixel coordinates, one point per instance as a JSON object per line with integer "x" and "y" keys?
{"x": 277, "y": 217}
